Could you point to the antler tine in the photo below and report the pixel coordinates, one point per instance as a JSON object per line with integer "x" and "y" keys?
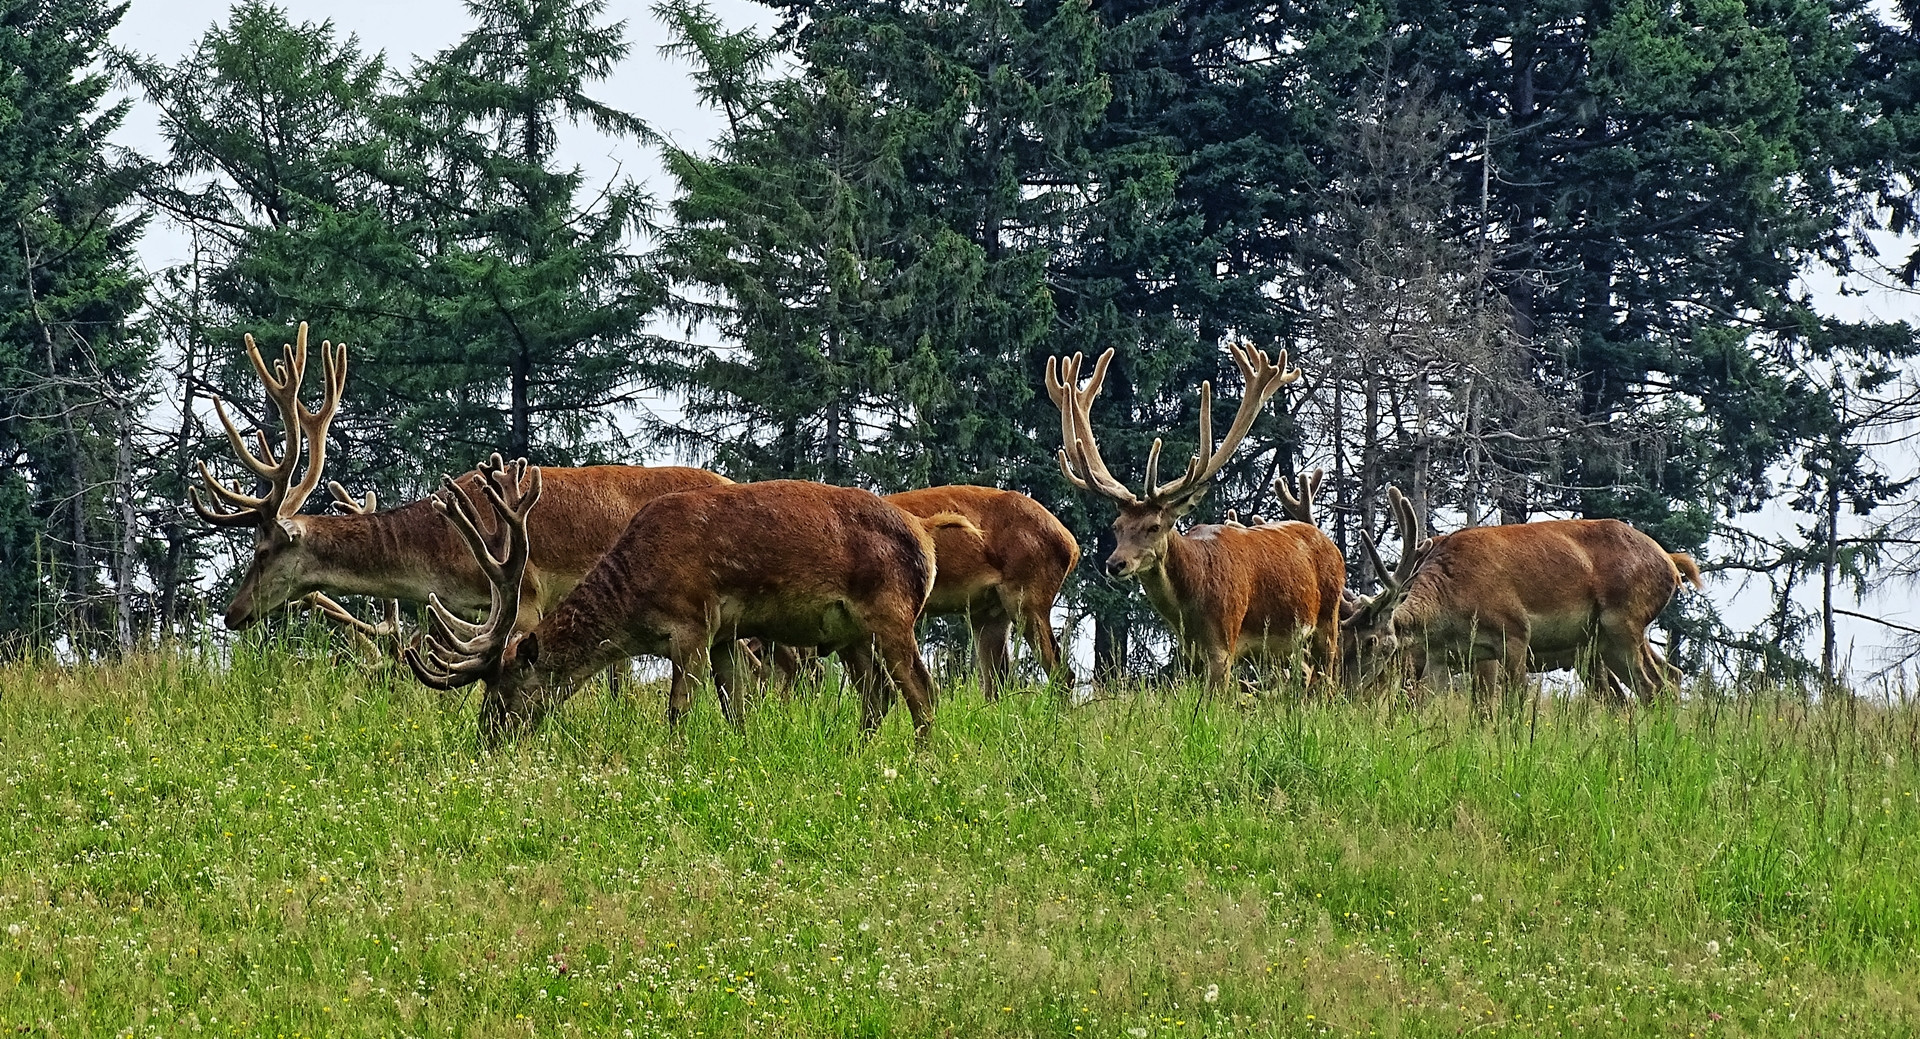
{"x": 267, "y": 470}
{"x": 454, "y": 504}
{"x": 1061, "y": 373}
{"x": 283, "y": 388}
{"x": 1153, "y": 467}
{"x": 1413, "y": 547}
{"x": 281, "y": 380}
{"x": 332, "y": 609}
{"x": 349, "y": 504}
{"x": 1298, "y": 504}
{"x": 1063, "y": 388}
{"x": 435, "y": 672}
{"x": 451, "y": 630}
{"x": 313, "y": 424}
{"x": 1413, "y": 542}
{"x": 458, "y": 651}
{"x": 1263, "y": 378}
{"x": 243, "y": 510}
{"x": 1081, "y": 457}
{"x": 1374, "y": 560}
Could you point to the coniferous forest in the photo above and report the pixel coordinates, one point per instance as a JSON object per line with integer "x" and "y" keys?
{"x": 1533, "y": 260}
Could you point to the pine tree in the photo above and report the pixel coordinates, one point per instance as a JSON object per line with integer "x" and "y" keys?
{"x": 873, "y": 237}
{"x": 533, "y": 294}
{"x": 72, "y": 367}
{"x": 491, "y": 302}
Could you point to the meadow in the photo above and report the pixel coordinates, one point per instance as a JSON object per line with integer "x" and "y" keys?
{"x": 275, "y": 842}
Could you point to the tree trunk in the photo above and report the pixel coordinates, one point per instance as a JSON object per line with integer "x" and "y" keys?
{"x": 1339, "y": 422}
{"x": 129, "y": 545}
{"x": 1422, "y": 454}
{"x": 170, "y": 578}
{"x": 80, "y": 550}
{"x": 831, "y": 445}
{"x": 520, "y": 436}
{"x": 1370, "y": 450}
{"x": 1110, "y": 625}
{"x": 1110, "y": 649}
{"x": 1829, "y": 566}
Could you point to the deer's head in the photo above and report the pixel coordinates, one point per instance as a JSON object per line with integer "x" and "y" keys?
{"x": 1145, "y": 525}
{"x": 280, "y": 568}
{"x": 1367, "y": 626}
{"x": 455, "y": 652}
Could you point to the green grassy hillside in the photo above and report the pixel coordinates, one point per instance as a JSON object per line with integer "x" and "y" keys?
{"x": 276, "y": 845}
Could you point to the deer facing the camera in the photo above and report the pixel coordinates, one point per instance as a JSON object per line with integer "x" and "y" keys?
{"x": 1228, "y": 591}
{"x": 788, "y": 561}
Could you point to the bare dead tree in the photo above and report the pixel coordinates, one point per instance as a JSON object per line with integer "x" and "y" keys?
{"x": 1426, "y": 384}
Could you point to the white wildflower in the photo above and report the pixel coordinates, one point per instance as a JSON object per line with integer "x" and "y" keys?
{"x": 1213, "y": 994}
{"x": 1713, "y": 947}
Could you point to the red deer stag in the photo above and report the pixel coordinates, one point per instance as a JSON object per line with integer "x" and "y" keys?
{"x": 1504, "y": 600}
{"x": 411, "y": 551}
{"x": 1006, "y": 573}
{"x": 793, "y": 562}
{"x": 1227, "y": 591}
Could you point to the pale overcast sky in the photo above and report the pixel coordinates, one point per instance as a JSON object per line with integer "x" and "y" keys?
{"x": 657, "y": 90}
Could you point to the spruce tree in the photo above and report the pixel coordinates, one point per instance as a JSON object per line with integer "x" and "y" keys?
{"x": 72, "y": 367}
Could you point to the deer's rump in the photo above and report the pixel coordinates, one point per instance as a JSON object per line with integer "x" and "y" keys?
{"x": 1022, "y": 546}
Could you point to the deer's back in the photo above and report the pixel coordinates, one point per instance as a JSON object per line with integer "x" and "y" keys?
{"x": 1552, "y": 575}
{"x": 769, "y": 557}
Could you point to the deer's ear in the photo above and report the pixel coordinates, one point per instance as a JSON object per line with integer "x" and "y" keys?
{"x": 290, "y": 530}
{"x": 526, "y": 652}
{"x": 1185, "y": 503}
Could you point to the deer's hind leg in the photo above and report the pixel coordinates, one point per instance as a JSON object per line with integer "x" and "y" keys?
{"x": 1624, "y": 646}
{"x": 991, "y": 629}
{"x": 876, "y": 696}
{"x": 691, "y": 654}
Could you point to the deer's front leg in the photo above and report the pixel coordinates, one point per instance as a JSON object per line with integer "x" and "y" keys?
{"x": 692, "y": 662}
{"x": 730, "y": 671}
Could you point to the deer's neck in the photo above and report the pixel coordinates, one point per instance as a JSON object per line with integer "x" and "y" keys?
{"x": 593, "y": 626}
{"x": 405, "y": 553}
{"x": 1177, "y": 582}
{"x": 1418, "y": 609}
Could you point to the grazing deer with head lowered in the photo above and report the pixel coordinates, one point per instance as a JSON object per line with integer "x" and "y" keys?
{"x": 1228, "y": 591}
{"x": 788, "y": 561}
{"x": 409, "y": 552}
{"x": 1005, "y": 573}
{"x": 1507, "y": 599}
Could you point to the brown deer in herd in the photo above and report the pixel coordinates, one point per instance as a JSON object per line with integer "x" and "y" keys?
{"x": 409, "y": 552}
{"x": 1507, "y": 599}
{"x": 1228, "y": 591}
{"x": 788, "y": 561}
{"x": 1004, "y": 574}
